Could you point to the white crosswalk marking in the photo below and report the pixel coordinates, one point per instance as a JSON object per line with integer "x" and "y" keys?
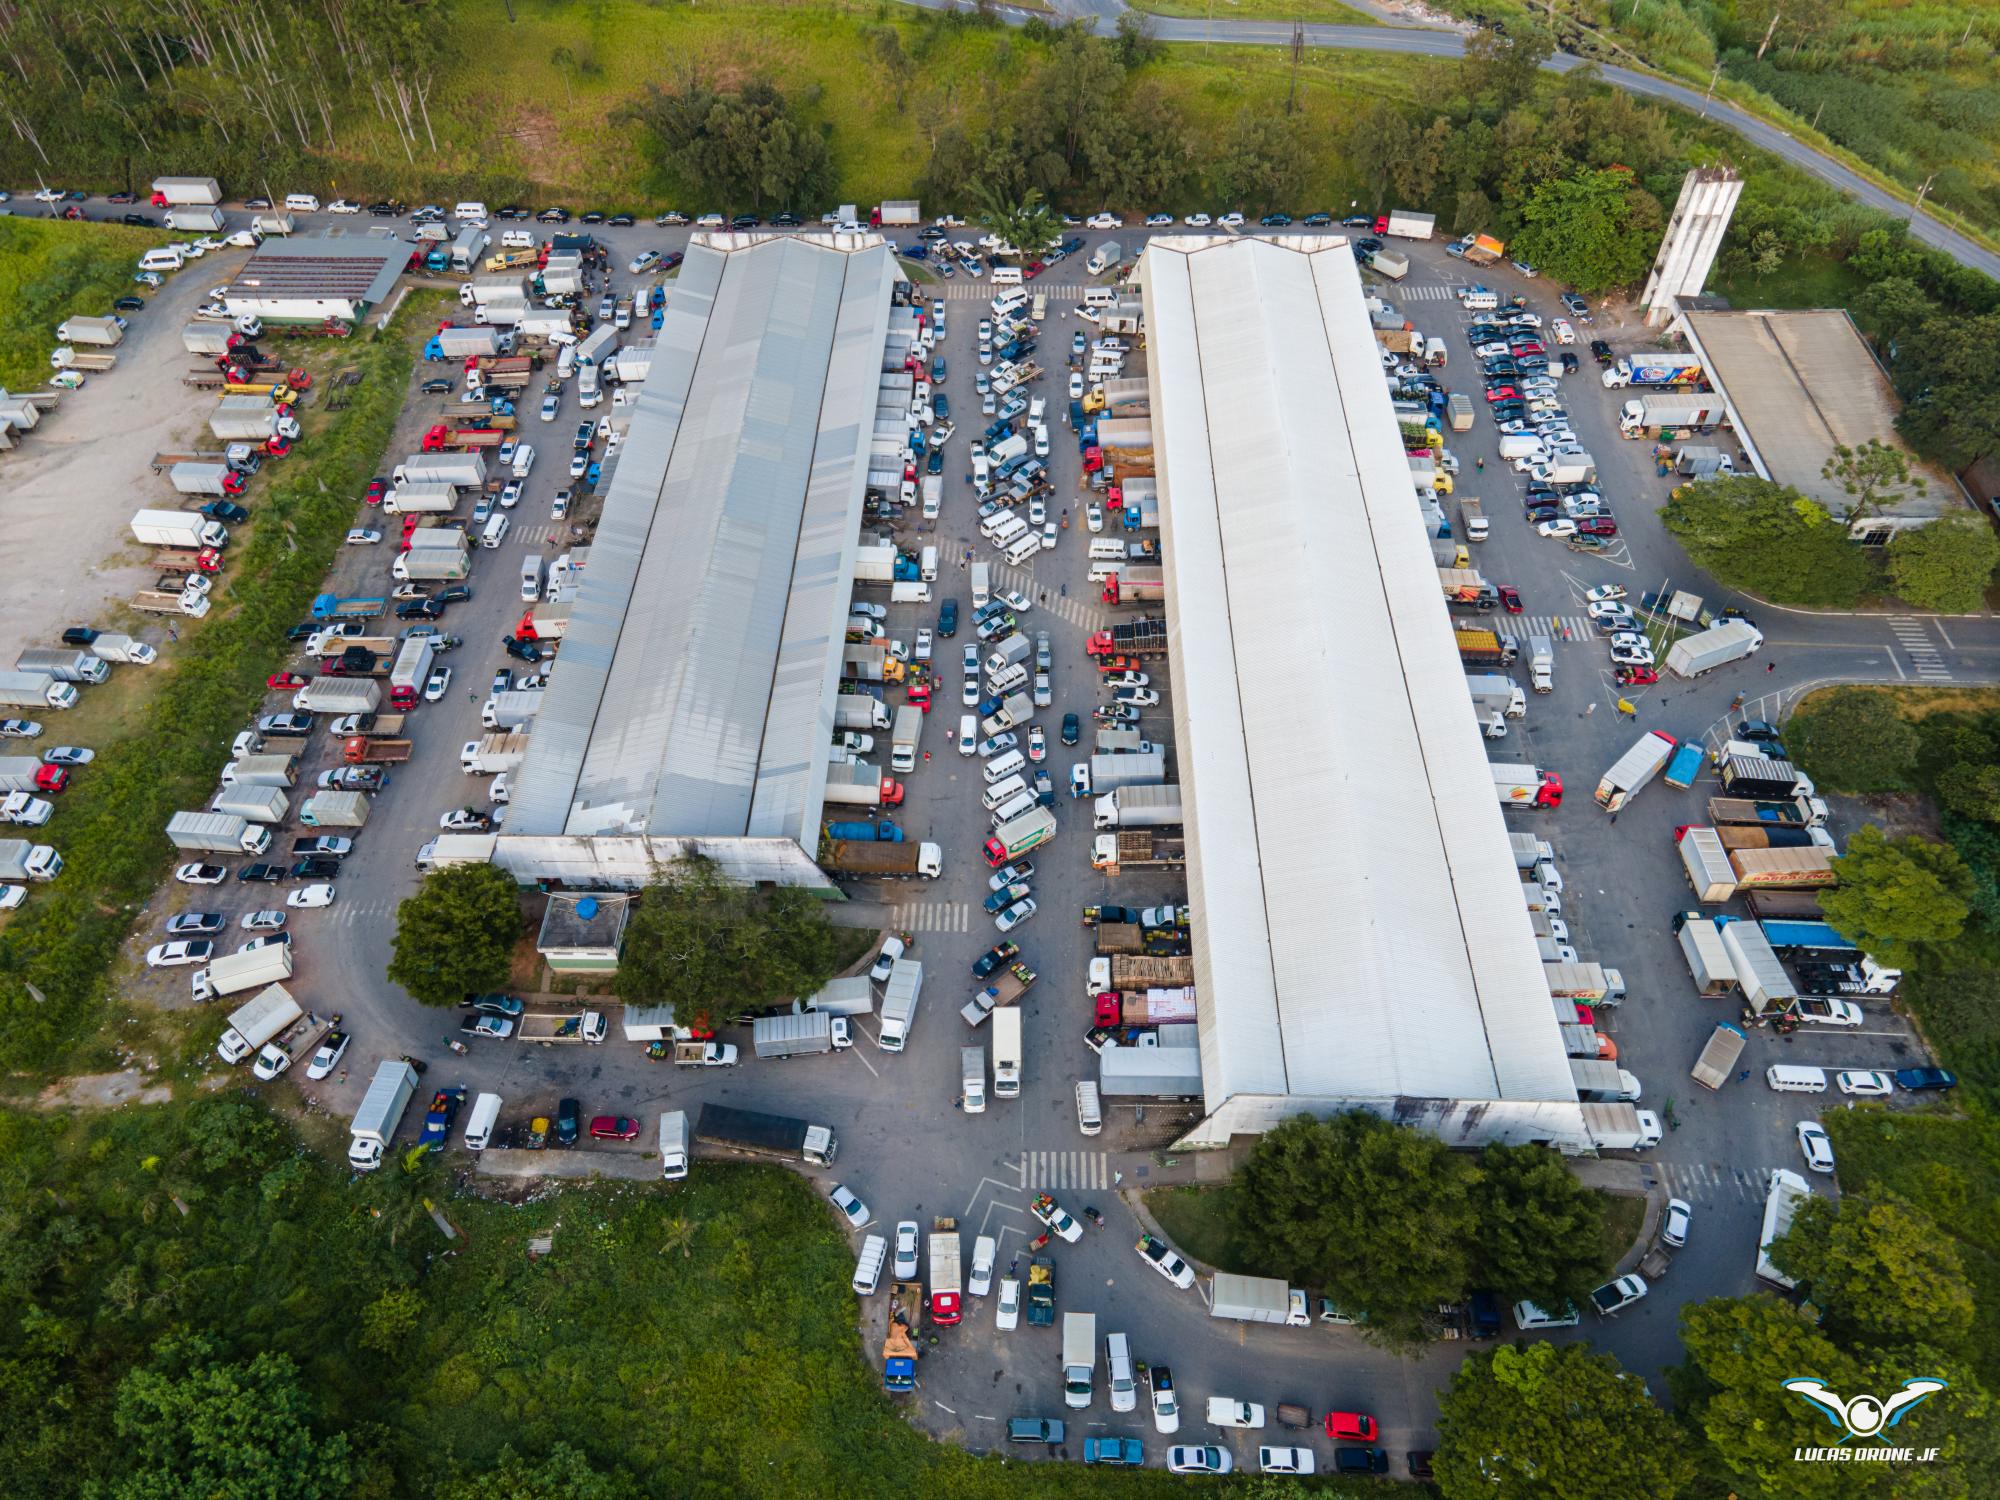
{"x": 1914, "y": 637}
{"x": 980, "y": 291}
{"x": 1422, "y": 293}
{"x": 1084, "y": 612}
{"x": 1701, "y": 1182}
{"x": 536, "y": 536}
{"x": 933, "y": 916}
{"x": 1520, "y": 627}
{"x": 1047, "y": 1171}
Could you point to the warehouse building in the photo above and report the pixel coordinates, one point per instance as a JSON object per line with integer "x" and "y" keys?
{"x": 1360, "y": 937}
{"x": 309, "y": 278}
{"x": 692, "y": 702}
{"x": 1796, "y": 386}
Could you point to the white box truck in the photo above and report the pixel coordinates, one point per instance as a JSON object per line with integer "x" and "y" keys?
{"x": 674, "y": 1145}
{"x": 1007, "y": 1053}
{"x": 1079, "y": 1358}
{"x": 256, "y": 1021}
{"x": 381, "y": 1111}
{"x": 234, "y": 973}
{"x": 899, "y": 1004}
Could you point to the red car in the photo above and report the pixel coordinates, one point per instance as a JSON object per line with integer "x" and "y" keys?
{"x": 1033, "y": 269}
{"x": 1520, "y": 347}
{"x": 921, "y": 696}
{"x": 1350, "y": 1427}
{"x": 614, "y": 1128}
{"x": 376, "y": 488}
{"x": 1510, "y": 599}
{"x": 1502, "y": 393}
{"x": 1637, "y": 676}
{"x": 284, "y": 680}
{"x": 1597, "y": 526}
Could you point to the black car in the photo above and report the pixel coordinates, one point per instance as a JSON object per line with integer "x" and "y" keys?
{"x": 1275, "y": 221}
{"x": 1316, "y": 221}
{"x": 256, "y": 202}
{"x": 438, "y": 387}
{"x": 1368, "y": 246}
{"x": 785, "y": 221}
{"x": 121, "y": 198}
{"x": 419, "y": 609}
{"x": 568, "y": 1122}
{"x": 1420, "y": 1463}
{"x": 1757, "y": 729}
{"x": 1569, "y": 363}
{"x": 129, "y": 304}
{"x": 302, "y": 631}
{"x": 1071, "y": 729}
{"x": 522, "y": 650}
{"x": 1357, "y": 221}
{"x": 452, "y": 593}
{"x": 948, "y": 619}
{"x": 138, "y": 221}
{"x": 670, "y": 260}
{"x": 1360, "y": 1461}
{"x": 317, "y": 867}
{"x": 387, "y": 209}
{"x": 78, "y": 635}
{"x": 512, "y": 211}
{"x": 1537, "y": 514}
{"x": 225, "y": 511}
{"x": 554, "y": 216}
{"x": 620, "y": 221}
{"x": 1601, "y": 352}
{"x": 261, "y": 874}
{"x": 595, "y": 216}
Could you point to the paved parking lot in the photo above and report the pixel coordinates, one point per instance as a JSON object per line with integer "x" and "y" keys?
{"x": 906, "y": 1148}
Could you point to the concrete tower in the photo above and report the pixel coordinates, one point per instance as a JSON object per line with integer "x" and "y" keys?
{"x": 1694, "y": 235}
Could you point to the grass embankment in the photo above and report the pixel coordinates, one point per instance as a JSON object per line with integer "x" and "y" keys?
{"x": 700, "y": 1338}
{"x": 1323, "y": 12}
{"x": 50, "y": 269}
{"x": 65, "y": 940}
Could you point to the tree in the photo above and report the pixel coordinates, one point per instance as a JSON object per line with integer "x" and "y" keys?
{"x": 1949, "y": 376}
{"x": 1946, "y": 565}
{"x": 1262, "y": 162}
{"x": 564, "y": 1473}
{"x": 1853, "y": 741}
{"x": 1027, "y": 224}
{"x": 1557, "y": 1422}
{"x": 1897, "y": 892}
{"x": 1971, "y": 791}
{"x": 1541, "y": 1231}
{"x": 1594, "y": 228}
{"x": 455, "y": 937}
{"x": 1882, "y": 1271}
{"x": 1137, "y": 41}
{"x": 739, "y": 147}
{"x": 191, "y": 1424}
{"x": 1871, "y": 474}
{"x": 1499, "y": 69}
{"x": 1740, "y": 1350}
{"x": 1379, "y": 1215}
{"x": 1770, "y": 541}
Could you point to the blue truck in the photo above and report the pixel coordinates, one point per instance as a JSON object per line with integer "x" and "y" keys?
{"x": 1685, "y": 766}
{"x": 1795, "y": 936}
{"x": 333, "y": 607}
{"x": 865, "y": 833}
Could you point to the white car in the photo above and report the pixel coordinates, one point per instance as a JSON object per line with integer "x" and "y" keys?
{"x": 1863, "y": 1084}
{"x": 262, "y": 921}
{"x": 1494, "y": 350}
{"x": 1610, "y": 609}
{"x": 892, "y": 949}
{"x": 1632, "y": 656}
{"x": 1076, "y": 385}
{"x": 1050, "y": 536}
{"x": 979, "y": 1282}
{"x": 550, "y": 406}
{"x": 200, "y": 874}
{"x": 1197, "y": 221}
{"x": 1038, "y": 511}
{"x": 922, "y": 650}
{"x": 173, "y": 955}
{"x": 905, "y": 1261}
{"x": 343, "y": 206}
{"x": 1231, "y": 221}
{"x": 20, "y": 729}
{"x": 1817, "y": 1146}
{"x": 1836, "y": 1013}
{"x": 1565, "y": 334}
{"x": 710, "y": 221}
{"x": 310, "y": 897}
{"x": 1227, "y": 1411}
{"x": 363, "y": 536}
{"x": 328, "y": 1057}
{"x": 1015, "y": 600}
{"x": 1136, "y": 697}
{"x": 1163, "y": 1258}
{"x": 1203, "y": 1460}
{"x": 1016, "y": 914}
{"x": 1286, "y": 1461}
{"x": 968, "y": 734}
{"x": 465, "y": 820}
{"x": 1679, "y": 1220}
{"x": 1104, "y": 221}
{"x": 1007, "y": 1311}
{"x": 1127, "y": 680}
{"x": 1166, "y": 1400}
{"x": 1629, "y": 640}
{"x": 870, "y": 611}
{"x": 1159, "y": 221}
{"x": 1093, "y": 517}
{"x": 12, "y": 896}
{"x": 1038, "y": 743}
{"x": 851, "y": 1208}
{"x": 438, "y": 686}
{"x": 968, "y": 692}
{"x": 1560, "y": 527}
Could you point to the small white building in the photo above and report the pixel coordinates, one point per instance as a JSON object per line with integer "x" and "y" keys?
{"x": 312, "y": 277}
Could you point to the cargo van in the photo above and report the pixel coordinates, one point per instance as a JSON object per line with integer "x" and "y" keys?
{"x": 1009, "y": 678}
{"x": 1478, "y": 299}
{"x": 1041, "y": 308}
{"x": 1007, "y": 304}
{"x": 1789, "y": 1079}
{"x": 1103, "y": 551}
{"x": 981, "y": 474}
{"x": 531, "y": 579}
{"x": 1002, "y": 766}
{"x": 1436, "y": 355}
{"x": 469, "y": 211}
{"x": 524, "y": 460}
{"x": 868, "y": 1266}
{"x": 1008, "y": 811}
{"x": 1006, "y": 275}
{"x": 1023, "y": 548}
{"x": 1100, "y": 296}
{"x": 1520, "y": 445}
{"x": 479, "y": 1124}
{"x": 1528, "y": 1317}
{"x": 1004, "y": 790}
{"x": 302, "y": 203}
{"x": 909, "y": 592}
{"x": 982, "y": 588}
{"x": 566, "y": 362}
{"x": 1089, "y": 1114}
{"x": 496, "y": 531}
{"x": 928, "y": 566}
{"x": 165, "y": 258}
{"x": 1104, "y": 572}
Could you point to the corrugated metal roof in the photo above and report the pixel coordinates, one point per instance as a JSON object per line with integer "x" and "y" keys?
{"x": 693, "y": 696}
{"x": 1359, "y": 929}
{"x": 322, "y": 267}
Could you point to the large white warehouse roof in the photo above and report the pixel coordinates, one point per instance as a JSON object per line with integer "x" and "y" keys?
{"x": 1360, "y": 935}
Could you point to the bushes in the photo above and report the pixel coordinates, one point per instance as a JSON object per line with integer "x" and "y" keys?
{"x": 64, "y": 942}
{"x": 1853, "y": 740}
{"x": 1770, "y": 541}
{"x": 50, "y": 269}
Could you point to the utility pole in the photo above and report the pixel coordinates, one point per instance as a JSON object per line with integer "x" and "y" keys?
{"x": 1769, "y": 32}
{"x": 1918, "y": 207}
{"x": 1710, "y": 95}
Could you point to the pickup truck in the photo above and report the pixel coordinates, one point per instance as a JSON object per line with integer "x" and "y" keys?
{"x": 1615, "y": 1296}
{"x": 1051, "y": 1213}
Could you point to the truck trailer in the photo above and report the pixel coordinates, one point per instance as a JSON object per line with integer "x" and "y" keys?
{"x": 235, "y": 972}
{"x": 1631, "y": 772}
{"x": 1138, "y": 807}
{"x": 219, "y": 833}
{"x": 1705, "y": 862}
{"x": 792, "y": 1035}
{"x": 1721, "y": 644}
{"x": 1526, "y": 786}
{"x": 753, "y": 1133}
{"x": 892, "y": 860}
{"x": 173, "y": 192}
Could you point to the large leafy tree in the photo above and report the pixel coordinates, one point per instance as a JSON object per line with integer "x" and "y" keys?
{"x": 193, "y": 1424}
{"x": 1555, "y": 1422}
{"x": 564, "y": 1473}
{"x": 743, "y": 146}
{"x": 1028, "y": 224}
{"x": 1894, "y": 893}
{"x": 1949, "y": 374}
{"x": 1595, "y": 228}
{"x": 1380, "y": 1216}
{"x": 456, "y": 935}
{"x": 1769, "y": 540}
{"x": 1541, "y": 1231}
{"x": 1500, "y": 68}
{"x": 1853, "y": 740}
{"x": 1262, "y": 162}
{"x": 1946, "y": 565}
{"x": 1881, "y": 1270}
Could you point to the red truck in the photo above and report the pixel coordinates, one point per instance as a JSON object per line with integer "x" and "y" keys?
{"x": 1135, "y": 586}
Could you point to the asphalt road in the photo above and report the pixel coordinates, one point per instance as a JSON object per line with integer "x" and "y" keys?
{"x": 910, "y": 1152}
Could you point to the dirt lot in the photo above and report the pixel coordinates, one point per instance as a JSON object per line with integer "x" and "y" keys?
{"x": 73, "y": 483}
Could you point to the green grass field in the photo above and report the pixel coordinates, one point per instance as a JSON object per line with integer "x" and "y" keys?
{"x": 1197, "y": 1220}
{"x": 50, "y": 269}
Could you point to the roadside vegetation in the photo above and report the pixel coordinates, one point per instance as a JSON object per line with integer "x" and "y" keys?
{"x": 49, "y": 270}
{"x": 56, "y": 953}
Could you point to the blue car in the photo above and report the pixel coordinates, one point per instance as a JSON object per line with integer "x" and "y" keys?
{"x": 937, "y": 370}
{"x": 940, "y": 404}
{"x": 592, "y": 474}
{"x": 1113, "y": 1450}
{"x": 948, "y": 619}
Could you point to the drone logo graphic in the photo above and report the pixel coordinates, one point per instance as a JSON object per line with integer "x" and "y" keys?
{"x": 1864, "y": 1416}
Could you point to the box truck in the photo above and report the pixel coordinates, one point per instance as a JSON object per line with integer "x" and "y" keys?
{"x": 256, "y": 1021}
{"x": 381, "y": 1111}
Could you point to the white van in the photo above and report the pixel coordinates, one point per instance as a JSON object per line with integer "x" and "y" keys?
{"x": 908, "y": 592}
{"x": 469, "y": 211}
{"x": 1789, "y": 1079}
{"x": 1006, "y": 275}
{"x": 1041, "y": 308}
{"x": 1007, "y": 812}
{"x": 1004, "y": 529}
{"x": 982, "y": 588}
{"x": 531, "y": 579}
{"x": 1105, "y": 551}
{"x": 1436, "y": 354}
{"x": 1520, "y": 445}
{"x": 165, "y": 258}
{"x": 1002, "y": 766}
{"x": 517, "y": 239}
{"x": 1100, "y": 296}
{"x": 496, "y": 531}
{"x": 981, "y": 472}
{"x": 1019, "y": 551}
{"x": 1089, "y": 1113}
{"x": 928, "y": 565}
{"x": 479, "y": 1124}
{"x": 566, "y": 361}
{"x": 1004, "y": 790}
{"x": 868, "y": 1266}
{"x": 1104, "y": 572}
{"x": 968, "y": 734}
{"x": 302, "y": 203}
{"x": 1008, "y": 679}
{"x": 1475, "y": 299}
{"x": 1009, "y": 303}
{"x": 524, "y": 460}
{"x": 1528, "y": 1317}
